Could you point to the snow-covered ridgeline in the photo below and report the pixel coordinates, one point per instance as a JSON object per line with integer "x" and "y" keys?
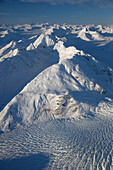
{"x": 72, "y": 88}
{"x": 62, "y": 81}
{"x": 22, "y": 63}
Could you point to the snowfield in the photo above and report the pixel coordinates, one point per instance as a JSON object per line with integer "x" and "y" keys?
{"x": 56, "y": 97}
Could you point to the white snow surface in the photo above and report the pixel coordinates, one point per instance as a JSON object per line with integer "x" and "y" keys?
{"x": 56, "y": 96}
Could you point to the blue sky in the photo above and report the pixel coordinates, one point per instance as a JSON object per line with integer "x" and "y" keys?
{"x": 56, "y": 11}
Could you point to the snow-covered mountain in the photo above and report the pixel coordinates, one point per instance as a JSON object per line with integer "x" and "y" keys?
{"x": 57, "y": 76}
{"x": 57, "y": 79}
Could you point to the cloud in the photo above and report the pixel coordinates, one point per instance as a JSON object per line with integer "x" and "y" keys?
{"x": 3, "y": 13}
{"x": 55, "y": 2}
{"x": 101, "y": 3}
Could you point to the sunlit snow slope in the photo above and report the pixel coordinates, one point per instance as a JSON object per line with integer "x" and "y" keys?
{"x": 57, "y": 76}
{"x": 74, "y": 85}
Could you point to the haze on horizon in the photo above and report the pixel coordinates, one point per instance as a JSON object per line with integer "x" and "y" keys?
{"x": 56, "y": 11}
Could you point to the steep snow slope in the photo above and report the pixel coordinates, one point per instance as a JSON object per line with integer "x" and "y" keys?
{"x": 23, "y": 59}
{"x": 21, "y": 62}
{"x": 72, "y": 88}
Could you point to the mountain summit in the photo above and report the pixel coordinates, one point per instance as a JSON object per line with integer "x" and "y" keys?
{"x": 48, "y": 78}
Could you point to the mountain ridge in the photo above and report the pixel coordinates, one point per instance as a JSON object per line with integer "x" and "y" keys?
{"x": 62, "y": 81}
